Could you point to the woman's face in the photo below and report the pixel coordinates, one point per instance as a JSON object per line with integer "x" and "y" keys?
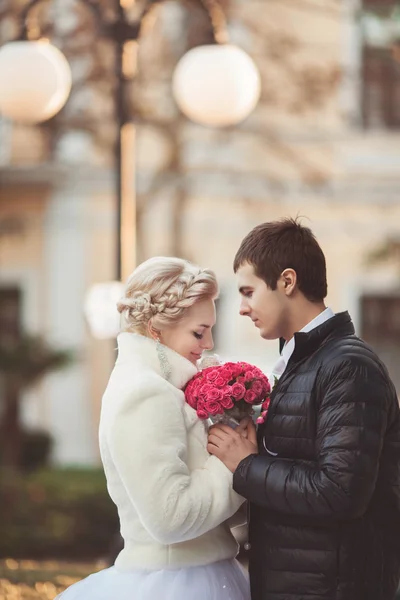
{"x": 193, "y": 333}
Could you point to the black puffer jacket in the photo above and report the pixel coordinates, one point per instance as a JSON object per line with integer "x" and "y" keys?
{"x": 325, "y": 512}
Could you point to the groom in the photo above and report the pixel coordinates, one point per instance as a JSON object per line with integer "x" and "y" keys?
{"x": 322, "y": 475}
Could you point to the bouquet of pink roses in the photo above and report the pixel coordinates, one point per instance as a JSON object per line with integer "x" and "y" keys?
{"x": 227, "y": 393}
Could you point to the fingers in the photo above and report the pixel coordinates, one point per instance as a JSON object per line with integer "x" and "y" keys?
{"x": 225, "y": 428}
{"x": 252, "y": 433}
{"x": 243, "y": 425}
{"x": 222, "y": 435}
{"x": 215, "y": 435}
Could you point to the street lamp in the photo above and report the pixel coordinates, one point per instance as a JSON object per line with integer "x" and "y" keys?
{"x": 215, "y": 85}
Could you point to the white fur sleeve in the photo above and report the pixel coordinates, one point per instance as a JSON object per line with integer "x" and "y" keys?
{"x": 147, "y": 441}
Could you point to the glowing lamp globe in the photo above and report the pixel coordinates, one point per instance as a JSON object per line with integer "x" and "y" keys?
{"x": 216, "y": 85}
{"x": 101, "y": 309}
{"x": 35, "y": 81}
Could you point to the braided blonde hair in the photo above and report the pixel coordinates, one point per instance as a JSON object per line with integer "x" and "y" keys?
{"x": 161, "y": 289}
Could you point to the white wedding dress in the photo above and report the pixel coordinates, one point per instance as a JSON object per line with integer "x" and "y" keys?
{"x": 224, "y": 580}
{"x": 174, "y": 500}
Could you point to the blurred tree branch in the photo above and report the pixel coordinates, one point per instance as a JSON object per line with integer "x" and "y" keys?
{"x": 388, "y": 251}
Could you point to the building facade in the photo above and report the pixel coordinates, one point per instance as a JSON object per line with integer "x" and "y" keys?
{"x": 323, "y": 144}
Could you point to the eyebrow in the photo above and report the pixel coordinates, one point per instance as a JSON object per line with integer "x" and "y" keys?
{"x": 205, "y": 326}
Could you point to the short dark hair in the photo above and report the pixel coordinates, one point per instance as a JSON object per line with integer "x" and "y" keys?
{"x": 273, "y": 247}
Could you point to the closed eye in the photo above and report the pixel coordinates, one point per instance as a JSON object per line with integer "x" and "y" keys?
{"x": 198, "y": 336}
{"x": 246, "y": 292}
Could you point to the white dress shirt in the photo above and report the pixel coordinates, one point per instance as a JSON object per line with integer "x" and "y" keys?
{"x": 288, "y": 348}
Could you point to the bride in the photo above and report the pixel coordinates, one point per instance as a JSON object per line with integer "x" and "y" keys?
{"x": 174, "y": 499}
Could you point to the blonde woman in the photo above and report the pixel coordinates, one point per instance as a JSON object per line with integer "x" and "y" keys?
{"x": 173, "y": 498}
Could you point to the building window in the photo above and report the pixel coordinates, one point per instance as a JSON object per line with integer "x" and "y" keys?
{"x": 380, "y": 327}
{"x": 381, "y": 65}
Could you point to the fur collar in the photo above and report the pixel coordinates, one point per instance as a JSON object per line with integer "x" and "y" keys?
{"x": 142, "y": 350}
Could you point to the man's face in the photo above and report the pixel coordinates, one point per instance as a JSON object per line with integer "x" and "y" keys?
{"x": 266, "y": 308}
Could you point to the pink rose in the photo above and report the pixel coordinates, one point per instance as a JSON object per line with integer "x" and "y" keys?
{"x": 234, "y": 369}
{"x": 215, "y": 395}
{"x": 238, "y": 391}
{"x": 237, "y": 371}
{"x": 192, "y": 401}
{"x": 204, "y": 390}
{"x": 191, "y": 393}
{"x": 257, "y": 387}
{"x": 267, "y": 385}
{"x": 249, "y": 376}
{"x": 220, "y": 381}
{"x": 227, "y": 402}
{"x": 250, "y": 397}
{"x": 265, "y": 405}
{"x": 195, "y": 384}
{"x": 227, "y": 373}
{"x": 202, "y": 413}
{"x": 214, "y": 408}
{"x": 211, "y": 374}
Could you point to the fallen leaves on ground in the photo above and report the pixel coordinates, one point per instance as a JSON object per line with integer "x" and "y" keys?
{"x": 31, "y": 580}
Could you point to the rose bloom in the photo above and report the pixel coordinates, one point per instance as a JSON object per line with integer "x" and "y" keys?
{"x": 214, "y": 408}
{"x": 202, "y": 412}
{"x": 267, "y": 385}
{"x": 227, "y": 402}
{"x": 249, "y": 376}
{"x": 220, "y": 381}
{"x": 228, "y": 372}
{"x": 257, "y": 387}
{"x": 250, "y": 397}
{"x": 225, "y": 374}
{"x": 265, "y": 405}
{"x": 211, "y": 374}
{"x": 191, "y": 400}
{"x": 237, "y": 371}
{"x": 215, "y": 395}
{"x": 204, "y": 390}
{"x": 238, "y": 391}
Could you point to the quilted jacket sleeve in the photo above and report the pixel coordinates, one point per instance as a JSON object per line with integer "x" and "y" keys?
{"x": 148, "y": 445}
{"x": 351, "y": 423}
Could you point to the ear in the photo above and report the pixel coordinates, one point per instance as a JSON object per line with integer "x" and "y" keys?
{"x": 288, "y": 281}
{"x": 152, "y": 331}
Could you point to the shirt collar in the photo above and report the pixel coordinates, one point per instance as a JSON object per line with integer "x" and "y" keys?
{"x": 288, "y": 348}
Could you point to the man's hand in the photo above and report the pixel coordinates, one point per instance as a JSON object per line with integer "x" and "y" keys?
{"x": 230, "y": 445}
{"x": 247, "y": 429}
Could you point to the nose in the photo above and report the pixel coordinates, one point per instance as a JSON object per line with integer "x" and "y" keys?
{"x": 244, "y": 309}
{"x": 207, "y": 341}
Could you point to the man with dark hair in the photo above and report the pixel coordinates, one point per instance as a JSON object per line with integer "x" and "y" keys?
{"x": 322, "y": 474}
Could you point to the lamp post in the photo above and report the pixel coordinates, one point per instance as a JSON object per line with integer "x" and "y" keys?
{"x": 214, "y": 85}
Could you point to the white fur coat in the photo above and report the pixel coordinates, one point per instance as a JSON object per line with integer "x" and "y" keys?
{"x": 173, "y": 498}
